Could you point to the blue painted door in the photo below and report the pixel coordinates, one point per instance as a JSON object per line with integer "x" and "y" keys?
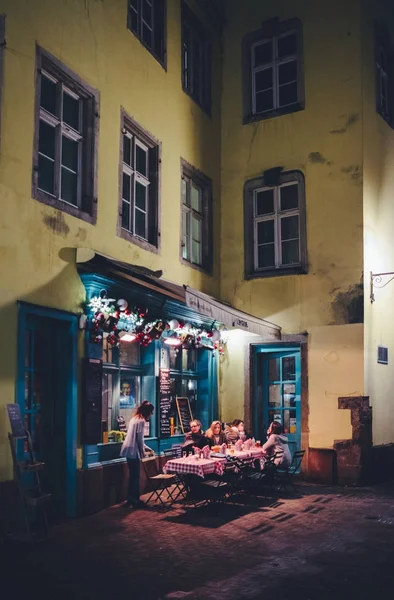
{"x": 46, "y": 365}
{"x": 281, "y": 391}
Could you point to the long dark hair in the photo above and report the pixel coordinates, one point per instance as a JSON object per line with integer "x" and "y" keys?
{"x": 145, "y": 410}
{"x": 276, "y": 428}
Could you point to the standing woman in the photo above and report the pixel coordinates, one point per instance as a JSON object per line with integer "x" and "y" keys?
{"x": 133, "y": 448}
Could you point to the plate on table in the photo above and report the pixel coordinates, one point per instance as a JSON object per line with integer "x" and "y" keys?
{"x": 218, "y": 455}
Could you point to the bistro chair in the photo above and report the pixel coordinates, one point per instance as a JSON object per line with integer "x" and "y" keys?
{"x": 160, "y": 483}
{"x": 284, "y": 478}
{"x": 201, "y": 492}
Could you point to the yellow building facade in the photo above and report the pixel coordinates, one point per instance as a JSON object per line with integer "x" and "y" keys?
{"x": 145, "y": 84}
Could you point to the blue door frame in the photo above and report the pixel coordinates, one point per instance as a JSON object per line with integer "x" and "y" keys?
{"x": 26, "y": 311}
{"x": 277, "y": 390}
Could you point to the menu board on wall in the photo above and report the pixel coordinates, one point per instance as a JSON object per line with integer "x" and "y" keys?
{"x": 92, "y": 401}
{"x": 14, "y": 415}
{"x": 184, "y": 413}
{"x": 164, "y": 402}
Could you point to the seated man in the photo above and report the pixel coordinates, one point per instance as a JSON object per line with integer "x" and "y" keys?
{"x": 195, "y": 437}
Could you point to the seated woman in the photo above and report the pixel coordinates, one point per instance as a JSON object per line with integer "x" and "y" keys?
{"x": 215, "y": 435}
{"x": 195, "y": 437}
{"x": 277, "y": 444}
{"x": 235, "y": 431}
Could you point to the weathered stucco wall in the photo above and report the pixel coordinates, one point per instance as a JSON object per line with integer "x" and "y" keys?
{"x": 335, "y": 369}
{"x": 323, "y": 141}
{"x": 91, "y": 38}
{"x": 378, "y": 224}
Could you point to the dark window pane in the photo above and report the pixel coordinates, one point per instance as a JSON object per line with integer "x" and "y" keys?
{"x": 147, "y": 35}
{"x": 70, "y": 153}
{"x": 140, "y": 159}
{"x": 147, "y": 12}
{"x": 273, "y": 369}
{"x": 196, "y": 67}
{"x": 69, "y": 187}
{"x": 288, "y": 72}
{"x": 265, "y": 232}
{"x": 274, "y": 395}
{"x": 46, "y": 142}
{"x": 264, "y": 101}
{"x": 140, "y": 196}
{"x": 126, "y": 216}
{"x": 287, "y": 45}
{"x": 290, "y": 252}
{"x": 266, "y": 256}
{"x": 48, "y": 95}
{"x": 133, "y": 20}
{"x": 46, "y": 174}
{"x": 288, "y": 368}
{"x": 263, "y": 54}
{"x": 263, "y": 80}
{"x": 140, "y": 223}
{"x": 289, "y": 197}
{"x": 71, "y": 111}
{"x": 289, "y": 228}
{"x": 264, "y": 202}
{"x": 126, "y": 187}
{"x": 127, "y": 150}
{"x": 287, "y": 94}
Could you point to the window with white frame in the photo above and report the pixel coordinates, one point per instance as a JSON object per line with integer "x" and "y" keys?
{"x": 383, "y": 76}
{"x": 139, "y": 185}
{"x": 64, "y": 149}
{"x": 273, "y": 77}
{"x": 196, "y": 239}
{"x": 275, "y": 226}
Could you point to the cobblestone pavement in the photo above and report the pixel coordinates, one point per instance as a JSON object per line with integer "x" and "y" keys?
{"x": 330, "y": 543}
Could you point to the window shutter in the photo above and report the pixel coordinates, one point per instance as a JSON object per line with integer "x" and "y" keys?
{"x": 154, "y": 166}
{"x": 88, "y": 155}
{"x": 159, "y": 28}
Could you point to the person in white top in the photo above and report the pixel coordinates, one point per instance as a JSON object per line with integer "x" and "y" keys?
{"x": 133, "y": 449}
{"x": 277, "y": 444}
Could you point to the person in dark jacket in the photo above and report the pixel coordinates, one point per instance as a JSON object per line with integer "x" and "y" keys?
{"x": 195, "y": 437}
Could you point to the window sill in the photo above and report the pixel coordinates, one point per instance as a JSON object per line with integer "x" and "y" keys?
{"x": 74, "y": 211}
{"x": 199, "y": 268}
{"x": 253, "y": 118}
{"x": 133, "y": 239}
{"x": 299, "y": 270}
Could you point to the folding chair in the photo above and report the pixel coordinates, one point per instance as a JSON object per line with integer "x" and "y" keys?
{"x": 202, "y": 492}
{"x": 284, "y": 477}
{"x": 159, "y": 483}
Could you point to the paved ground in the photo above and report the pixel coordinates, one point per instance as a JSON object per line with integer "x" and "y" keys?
{"x": 331, "y": 543}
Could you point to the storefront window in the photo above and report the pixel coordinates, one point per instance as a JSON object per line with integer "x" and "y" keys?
{"x": 121, "y": 385}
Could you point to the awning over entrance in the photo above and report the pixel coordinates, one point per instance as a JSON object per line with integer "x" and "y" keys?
{"x": 228, "y": 315}
{"x": 172, "y": 299}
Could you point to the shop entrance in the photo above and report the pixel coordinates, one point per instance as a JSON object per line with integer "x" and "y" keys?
{"x": 277, "y": 395}
{"x": 46, "y": 396}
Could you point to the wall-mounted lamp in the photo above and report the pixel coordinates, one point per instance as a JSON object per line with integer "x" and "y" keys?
{"x": 173, "y": 340}
{"x": 379, "y": 280}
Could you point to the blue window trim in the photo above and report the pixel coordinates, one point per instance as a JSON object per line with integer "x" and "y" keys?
{"x": 25, "y": 309}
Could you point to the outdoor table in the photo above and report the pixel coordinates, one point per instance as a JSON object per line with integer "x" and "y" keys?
{"x": 242, "y": 454}
{"x": 190, "y": 465}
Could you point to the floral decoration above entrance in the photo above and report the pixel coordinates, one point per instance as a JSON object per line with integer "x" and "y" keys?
{"x": 115, "y": 320}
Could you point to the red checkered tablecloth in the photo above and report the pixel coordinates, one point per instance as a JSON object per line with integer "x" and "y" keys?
{"x": 192, "y": 466}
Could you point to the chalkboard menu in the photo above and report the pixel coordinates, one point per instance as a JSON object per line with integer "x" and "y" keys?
{"x": 14, "y": 415}
{"x": 184, "y": 413}
{"x": 92, "y": 401}
{"x": 165, "y": 402}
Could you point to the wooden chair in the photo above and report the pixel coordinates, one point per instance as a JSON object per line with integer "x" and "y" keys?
{"x": 160, "y": 483}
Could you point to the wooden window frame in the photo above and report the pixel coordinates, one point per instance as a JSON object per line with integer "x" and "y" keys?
{"x": 205, "y": 184}
{"x": 250, "y": 188}
{"x": 200, "y": 39}
{"x": 384, "y": 74}
{"x": 87, "y": 163}
{"x": 137, "y": 31}
{"x": 271, "y": 30}
{"x": 142, "y": 138}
